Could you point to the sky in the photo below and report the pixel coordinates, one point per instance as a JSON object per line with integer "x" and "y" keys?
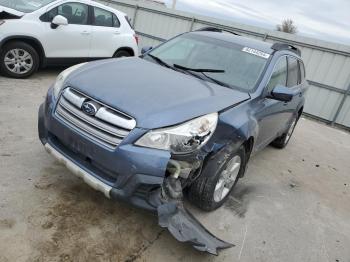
{"x": 324, "y": 19}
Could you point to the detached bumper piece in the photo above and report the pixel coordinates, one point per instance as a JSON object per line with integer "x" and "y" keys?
{"x": 186, "y": 228}
{"x": 168, "y": 201}
{"x": 182, "y": 224}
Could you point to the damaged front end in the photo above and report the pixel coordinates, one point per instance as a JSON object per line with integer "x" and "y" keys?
{"x": 173, "y": 215}
{"x": 149, "y": 176}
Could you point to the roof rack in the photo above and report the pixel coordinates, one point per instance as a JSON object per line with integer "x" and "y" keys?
{"x": 215, "y": 29}
{"x": 283, "y": 46}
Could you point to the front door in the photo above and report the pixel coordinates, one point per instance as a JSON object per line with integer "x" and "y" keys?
{"x": 273, "y": 114}
{"x": 72, "y": 40}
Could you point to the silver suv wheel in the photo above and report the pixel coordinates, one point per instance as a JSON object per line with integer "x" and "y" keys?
{"x": 227, "y": 178}
{"x": 18, "y": 61}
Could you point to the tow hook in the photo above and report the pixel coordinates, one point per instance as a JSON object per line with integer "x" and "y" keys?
{"x": 180, "y": 222}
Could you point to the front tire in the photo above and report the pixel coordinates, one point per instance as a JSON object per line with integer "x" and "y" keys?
{"x": 218, "y": 178}
{"x": 18, "y": 60}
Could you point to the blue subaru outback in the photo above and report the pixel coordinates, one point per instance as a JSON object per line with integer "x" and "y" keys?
{"x": 182, "y": 119}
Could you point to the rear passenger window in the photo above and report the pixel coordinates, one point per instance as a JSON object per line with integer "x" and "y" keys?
{"x": 293, "y": 72}
{"x": 279, "y": 75}
{"x": 116, "y": 22}
{"x": 105, "y": 18}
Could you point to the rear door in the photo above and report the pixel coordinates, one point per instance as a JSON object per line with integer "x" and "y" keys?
{"x": 106, "y": 33}
{"x": 293, "y": 82}
{"x": 68, "y": 41}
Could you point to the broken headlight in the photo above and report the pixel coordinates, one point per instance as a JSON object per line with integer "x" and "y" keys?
{"x": 57, "y": 87}
{"x": 183, "y": 138}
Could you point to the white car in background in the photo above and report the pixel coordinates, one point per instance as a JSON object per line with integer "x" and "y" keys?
{"x": 38, "y": 33}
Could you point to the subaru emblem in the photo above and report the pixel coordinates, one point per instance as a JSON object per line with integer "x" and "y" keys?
{"x": 89, "y": 108}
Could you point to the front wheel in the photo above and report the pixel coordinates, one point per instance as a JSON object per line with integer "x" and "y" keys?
{"x": 218, "y": 178}
{"x": 18, "y": 60}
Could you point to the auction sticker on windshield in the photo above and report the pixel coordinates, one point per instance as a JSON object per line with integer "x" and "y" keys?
{"x": 255, "y": 52}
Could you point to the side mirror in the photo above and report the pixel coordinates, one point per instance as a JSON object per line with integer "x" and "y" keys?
{"x": 146, "y": 49}
{"x": 58, "y": 20}
{"x": 283, "y": 93}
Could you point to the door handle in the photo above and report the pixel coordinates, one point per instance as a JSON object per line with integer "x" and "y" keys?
{"x": 85, "y": 33}
{"x": 117, "y": 33}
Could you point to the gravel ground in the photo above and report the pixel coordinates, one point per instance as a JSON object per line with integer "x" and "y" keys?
{"x": 292, "y": 205}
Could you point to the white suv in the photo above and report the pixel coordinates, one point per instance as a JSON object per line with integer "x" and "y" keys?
{"x": 38, "y": 33}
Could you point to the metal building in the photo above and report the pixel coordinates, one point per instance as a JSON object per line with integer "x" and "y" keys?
{"x": 327, "y": 64}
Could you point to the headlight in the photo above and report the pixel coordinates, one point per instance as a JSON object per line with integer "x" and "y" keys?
{"x": 62, "y": 77}
{"x": 183, "y": 138}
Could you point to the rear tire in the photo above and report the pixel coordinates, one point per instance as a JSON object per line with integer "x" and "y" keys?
{"x": 18, "y": 60}
{"x": 205, "y": 191}
{"x": 282, "y": 141}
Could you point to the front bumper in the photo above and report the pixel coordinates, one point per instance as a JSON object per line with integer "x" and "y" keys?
{"x": 128, "y": 173}
{"x": 78, "y": 171}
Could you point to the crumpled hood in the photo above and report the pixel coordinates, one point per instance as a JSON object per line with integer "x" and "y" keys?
{"x": 154, "y": 95}
{"x": 11, "y": 11}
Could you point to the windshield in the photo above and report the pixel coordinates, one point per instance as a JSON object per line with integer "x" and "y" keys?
{"x": 25, "y": 6}
{"x": 236, "y": 66}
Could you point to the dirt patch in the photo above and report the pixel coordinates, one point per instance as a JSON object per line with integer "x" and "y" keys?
{"x": 293, "y": 184}
{"x": 238, "y": 201}
{"x": 7, "y": 223}
{"x": 83, "y": 225}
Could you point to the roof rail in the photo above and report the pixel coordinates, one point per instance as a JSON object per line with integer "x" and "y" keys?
{"x": 283, "y": 46}
{"x": 215, "y": 29}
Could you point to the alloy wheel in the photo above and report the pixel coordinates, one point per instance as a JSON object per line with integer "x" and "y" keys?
{"x": 227, "y": 178}
{"x": 18, "y": 61}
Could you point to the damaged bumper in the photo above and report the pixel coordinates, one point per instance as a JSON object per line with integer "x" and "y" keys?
{"x": 139, "y": 179}
{"x": 171, "y": 212}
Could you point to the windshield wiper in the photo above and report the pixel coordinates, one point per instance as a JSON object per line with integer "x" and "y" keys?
{"x": 217, "y": 81}
{"x": 203, "y": 71}
{"x": 199, "y": 70}
{"x": 160, "y": 61}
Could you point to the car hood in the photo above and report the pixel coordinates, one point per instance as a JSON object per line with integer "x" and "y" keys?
{"x": 154, "y": 95}
{"x": 4, "y": 10}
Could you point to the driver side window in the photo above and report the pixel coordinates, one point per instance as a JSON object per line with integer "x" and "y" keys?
{"x": 279, "y": 75}
{"x": 75, "y": 13}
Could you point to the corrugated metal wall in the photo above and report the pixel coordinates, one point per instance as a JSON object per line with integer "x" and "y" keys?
{"x": 327, "y": 64}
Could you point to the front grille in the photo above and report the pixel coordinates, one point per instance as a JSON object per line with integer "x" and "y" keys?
{"x": 106, "y": 126}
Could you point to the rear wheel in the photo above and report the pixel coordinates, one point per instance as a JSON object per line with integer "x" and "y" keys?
{"x": 18, "y": 60}
{"x": 282, "y": 141}
{"x": 218, "y": 179}
{"x": 121, "y": 53}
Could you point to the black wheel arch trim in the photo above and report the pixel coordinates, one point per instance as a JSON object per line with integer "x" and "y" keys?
{"x": 41, "y": 50}
{"x": 126, "y": 48}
